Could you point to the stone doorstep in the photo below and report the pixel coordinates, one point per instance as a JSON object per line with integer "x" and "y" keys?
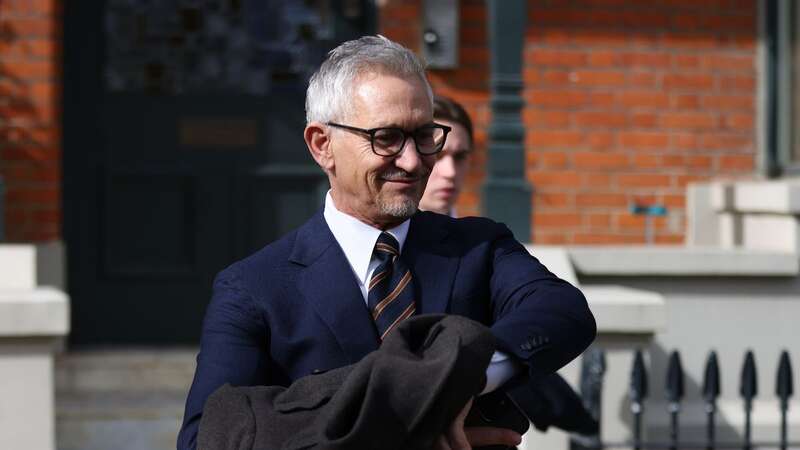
{"x": 120, "y": 405}
{"x": 125, "y": 370}
{"x": 126, "y": 399}
{"x": 118, "y": 434}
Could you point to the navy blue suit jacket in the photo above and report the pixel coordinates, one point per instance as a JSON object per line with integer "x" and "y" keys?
{"x": 294, "y": 307}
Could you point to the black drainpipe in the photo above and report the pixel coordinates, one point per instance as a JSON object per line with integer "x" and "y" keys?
{"x": 506, "y": 192}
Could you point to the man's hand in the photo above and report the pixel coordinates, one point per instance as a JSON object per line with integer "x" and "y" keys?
{"x": 459, "y": 438}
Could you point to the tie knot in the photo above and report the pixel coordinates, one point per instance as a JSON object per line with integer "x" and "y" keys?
{"x": 387, "y": 244}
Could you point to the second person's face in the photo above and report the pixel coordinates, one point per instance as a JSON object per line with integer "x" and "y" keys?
{"x": 447, "y": 176}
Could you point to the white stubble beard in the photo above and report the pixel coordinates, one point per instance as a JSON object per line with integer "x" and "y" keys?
{"x": 402, "y": 209}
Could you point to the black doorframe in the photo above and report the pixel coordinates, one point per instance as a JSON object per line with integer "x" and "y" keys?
{"x": 80, "y": 134}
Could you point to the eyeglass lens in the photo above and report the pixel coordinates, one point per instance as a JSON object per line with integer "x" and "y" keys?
{"x": 389, "y": 141}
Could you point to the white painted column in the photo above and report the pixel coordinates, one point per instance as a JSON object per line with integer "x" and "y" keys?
{"x": 33, "y": 322}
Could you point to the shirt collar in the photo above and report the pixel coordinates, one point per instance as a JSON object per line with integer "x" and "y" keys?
{"x": 356, "y": 238}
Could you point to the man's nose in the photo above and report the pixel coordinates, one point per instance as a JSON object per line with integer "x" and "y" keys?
{"x": 409, "y": 159}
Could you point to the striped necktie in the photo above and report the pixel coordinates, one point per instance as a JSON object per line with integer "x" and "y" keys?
{"x": 390, "y": 292}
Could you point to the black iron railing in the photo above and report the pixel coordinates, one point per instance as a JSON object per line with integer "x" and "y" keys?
{"x": 593, "y": 369}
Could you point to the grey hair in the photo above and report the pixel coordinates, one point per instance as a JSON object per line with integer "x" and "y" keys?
{"x": 330, "y": 88}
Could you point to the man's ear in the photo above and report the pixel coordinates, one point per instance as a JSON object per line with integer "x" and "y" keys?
{"x": 317, "y": 137}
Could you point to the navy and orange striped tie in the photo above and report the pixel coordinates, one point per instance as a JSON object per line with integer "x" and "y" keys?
{"x": 391, "y": 291}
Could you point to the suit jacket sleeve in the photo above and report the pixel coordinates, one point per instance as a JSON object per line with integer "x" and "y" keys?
{"x": 233, "y": 349}
{"x": 540, "y": 319}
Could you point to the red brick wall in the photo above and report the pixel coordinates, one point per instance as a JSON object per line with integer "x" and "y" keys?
{"x": 30, "y": 153}
{"x": 399, "y": 20}
{"x": 627, "y": 101}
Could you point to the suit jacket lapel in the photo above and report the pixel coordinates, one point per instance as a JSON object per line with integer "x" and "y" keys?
{"x": 329, "y": 284}
{"x": 433, "y": 264}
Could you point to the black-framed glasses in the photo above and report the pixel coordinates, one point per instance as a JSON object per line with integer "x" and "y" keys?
{"x": 389, "y": 141}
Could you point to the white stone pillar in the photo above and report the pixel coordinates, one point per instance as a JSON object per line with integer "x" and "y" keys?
{"x": 33, "y": 322}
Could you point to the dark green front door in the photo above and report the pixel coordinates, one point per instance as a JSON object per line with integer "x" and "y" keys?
{"x": 183, "y": 150}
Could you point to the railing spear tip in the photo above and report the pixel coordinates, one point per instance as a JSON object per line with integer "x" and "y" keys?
{"x": 674, "y": 388}
{"x": 638, "y": 386}
{"x": 749, "y": 380}
{"x": 784, "y": 386}
{"x": 711, "y": 385}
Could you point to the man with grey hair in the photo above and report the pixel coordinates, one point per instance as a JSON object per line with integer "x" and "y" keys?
{"x": 348, "y": 83}
{"x": 326, "y": 294}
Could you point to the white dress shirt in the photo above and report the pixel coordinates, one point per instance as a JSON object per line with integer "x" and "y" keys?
{"x": 357, "y": 241}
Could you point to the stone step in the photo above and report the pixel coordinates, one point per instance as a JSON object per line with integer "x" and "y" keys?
{"x": 125, "y": 399}
{"x": 125, "y": 370}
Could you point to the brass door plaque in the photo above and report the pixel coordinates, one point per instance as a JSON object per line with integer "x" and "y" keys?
{"x": 222, "y": 133}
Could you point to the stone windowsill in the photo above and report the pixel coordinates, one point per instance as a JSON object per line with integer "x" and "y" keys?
{"x": 616, "y": 309}
{"x": 682, "y": 261}
{"x": 619, "y": 309}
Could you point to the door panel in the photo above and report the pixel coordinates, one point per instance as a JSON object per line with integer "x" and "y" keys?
{"x": 278, "y": 202}
{"x": 183, "y": 150}
{"x": 144, "y": 237}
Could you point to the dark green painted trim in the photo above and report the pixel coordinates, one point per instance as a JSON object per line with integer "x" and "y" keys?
{"x": 506, "y": 192}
